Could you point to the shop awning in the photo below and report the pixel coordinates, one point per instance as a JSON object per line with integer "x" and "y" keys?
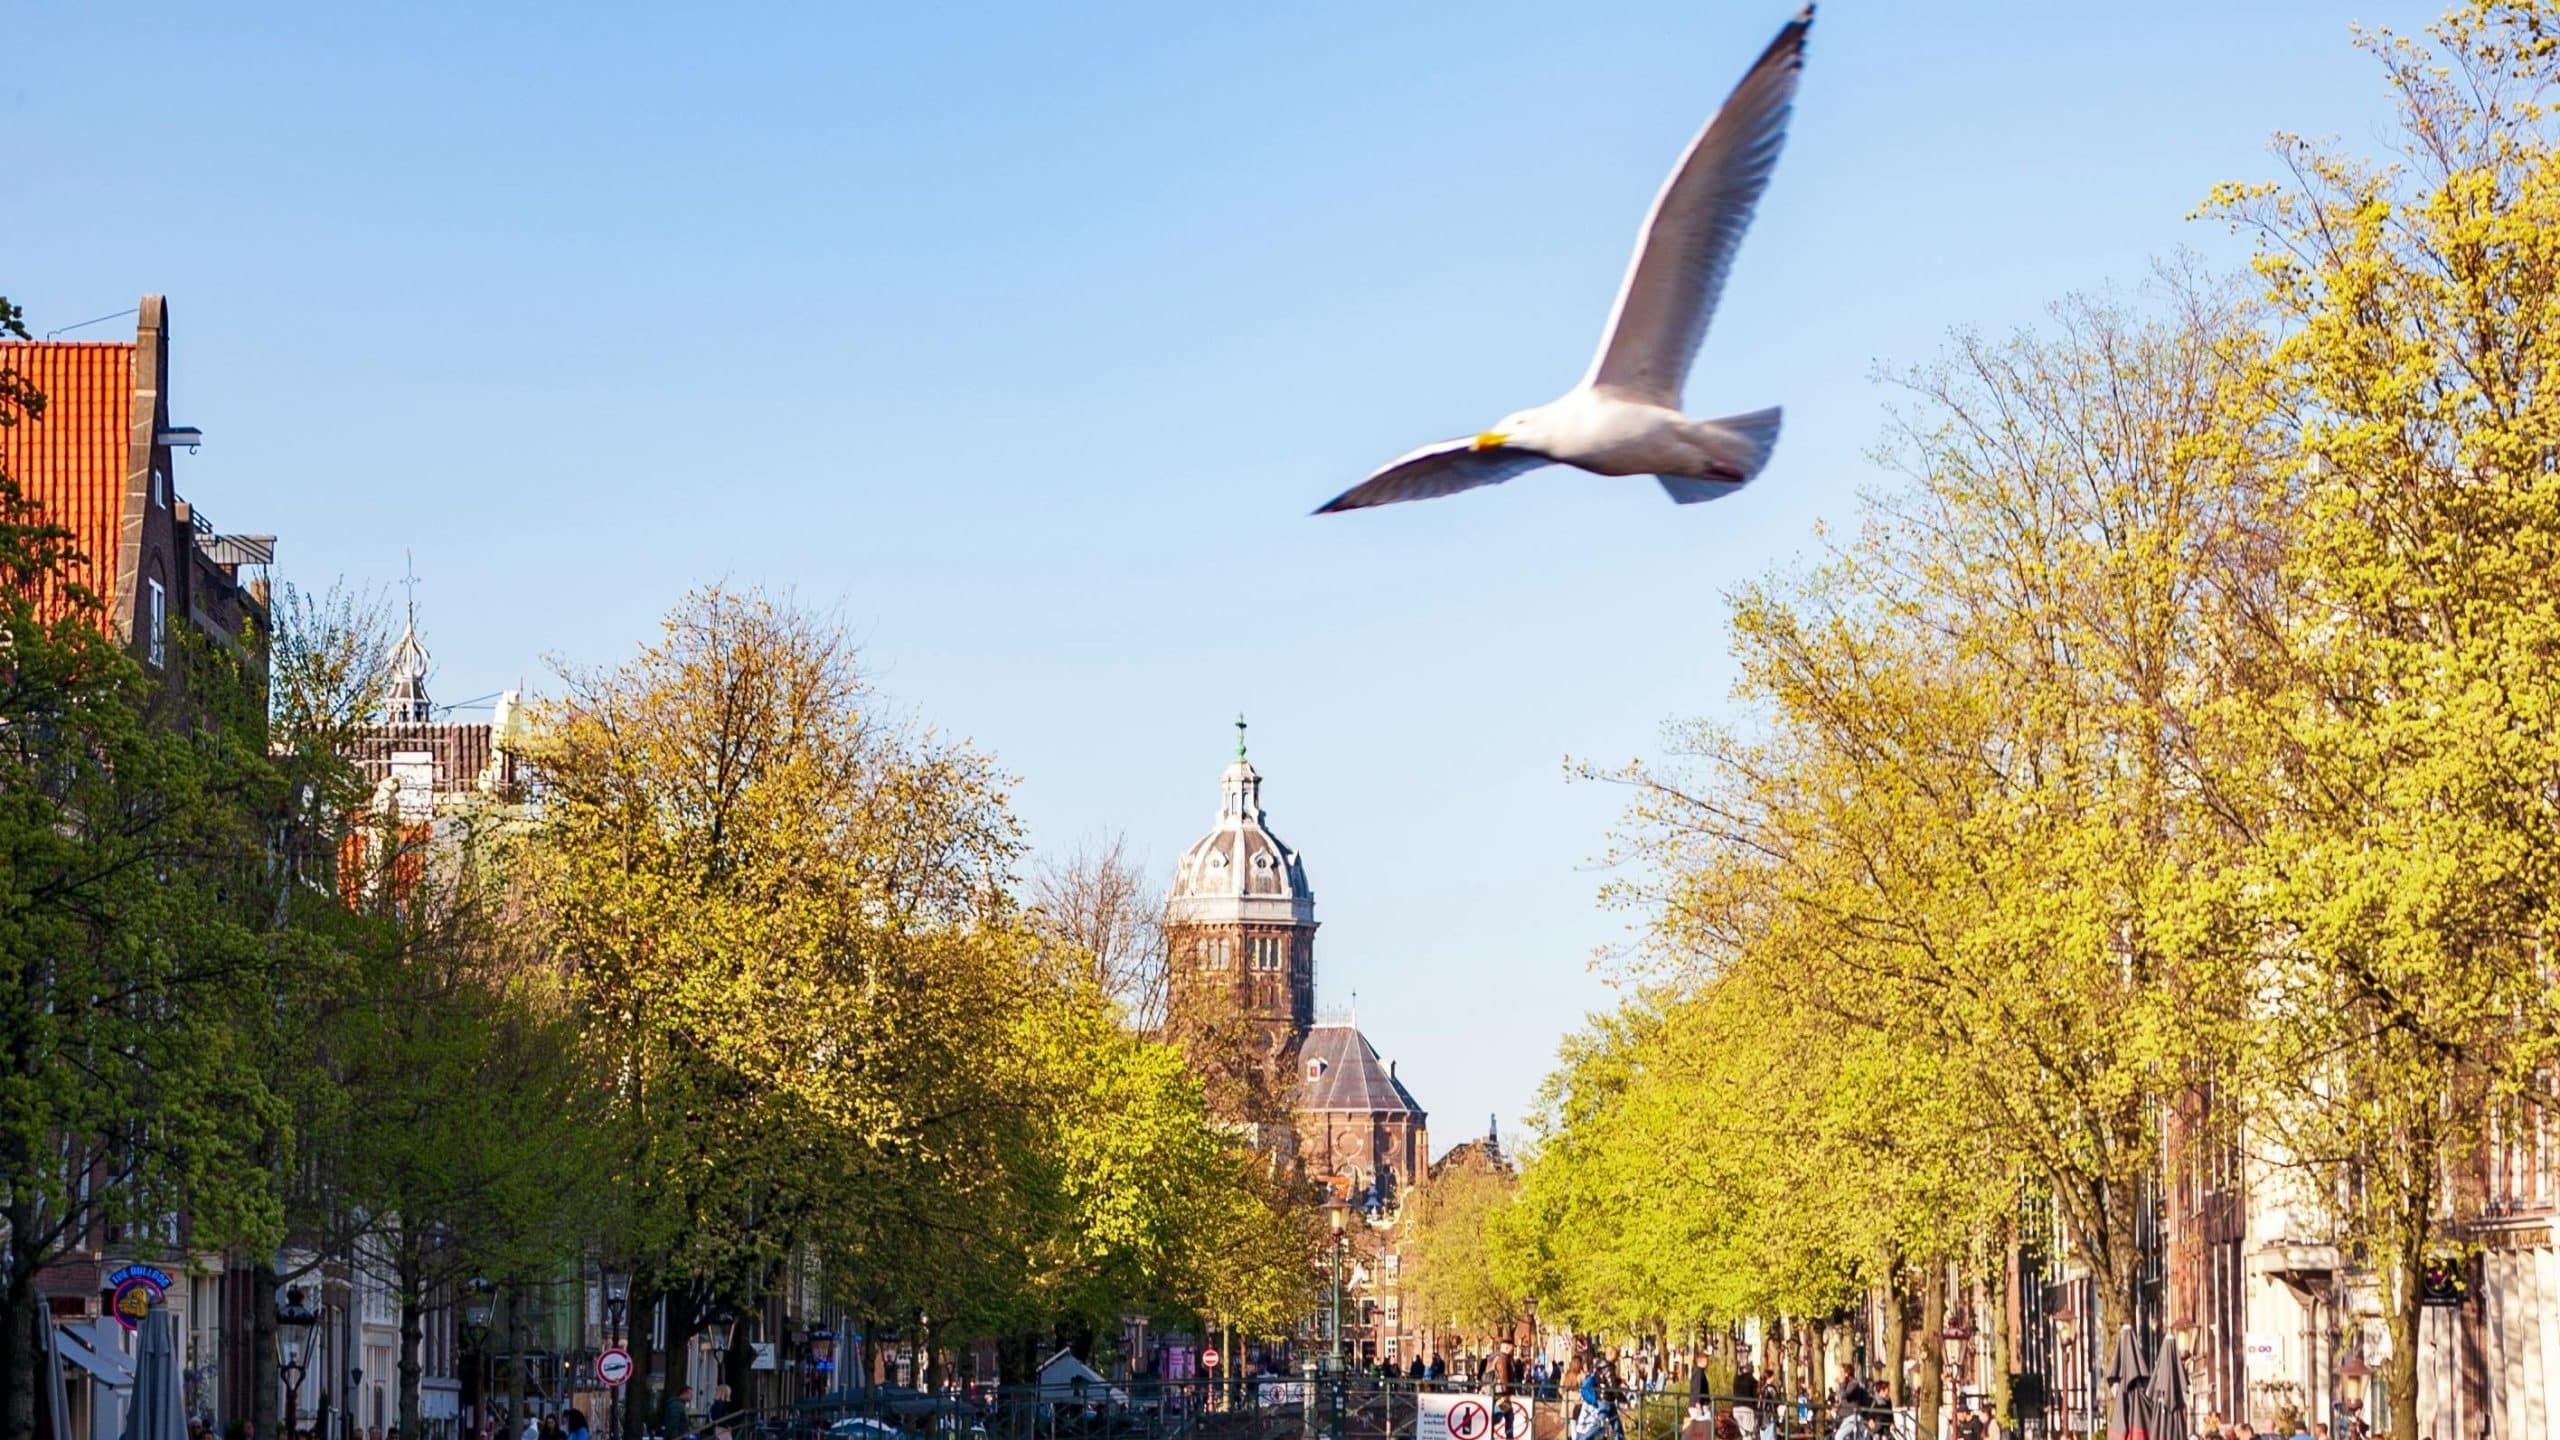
{"x": 81, "y": 1349}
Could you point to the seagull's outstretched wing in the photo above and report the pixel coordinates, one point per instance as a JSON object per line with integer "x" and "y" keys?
{"x": 1696, "y": 224}
{"x": 1436, "y": 470}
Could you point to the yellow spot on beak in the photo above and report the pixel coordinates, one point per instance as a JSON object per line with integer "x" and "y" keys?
{"x": 1491, "y": 439}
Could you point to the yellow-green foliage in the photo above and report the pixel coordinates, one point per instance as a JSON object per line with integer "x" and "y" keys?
{"x": 2184, "y": 723}
{"x": 823, "y": 1021}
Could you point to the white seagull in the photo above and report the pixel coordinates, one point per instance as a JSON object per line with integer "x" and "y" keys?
{"x": 1624, "y": 418}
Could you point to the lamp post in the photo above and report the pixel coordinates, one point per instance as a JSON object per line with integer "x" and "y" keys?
{"x": 717, "y": 1332}
{"x": 479, "y": 1306}
{"x": 1339, "y": 1213}
{"x": 617, "y": 1300}
{"x": 294, "y": 1323}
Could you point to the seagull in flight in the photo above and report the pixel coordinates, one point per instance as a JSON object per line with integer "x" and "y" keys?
{"x": 1624, "y": 418}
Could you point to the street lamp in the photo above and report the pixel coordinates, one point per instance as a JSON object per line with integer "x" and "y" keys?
{"x": 294, "y": 1323}
{"x": 2351, "y": 1380}
{"x": 717, "y": 1332}
{"x": 617, "y": 1299}
{"x": 479, "y": 1308}
{"x": 822, "y": 1359}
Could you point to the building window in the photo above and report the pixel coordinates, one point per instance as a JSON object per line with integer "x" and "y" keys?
{"x": 159, "y": 487}
{"x": 158, "y": 621}
{"x": 1265, "y": 951}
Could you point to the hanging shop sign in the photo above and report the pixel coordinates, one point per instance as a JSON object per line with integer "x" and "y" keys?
{"x": 132, "y": 1290}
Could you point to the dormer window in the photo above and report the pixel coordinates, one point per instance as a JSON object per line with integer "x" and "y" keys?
{"x": 1316, "y": 1069}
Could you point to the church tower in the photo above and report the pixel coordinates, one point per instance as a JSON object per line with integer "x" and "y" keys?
{"x": 1240, "y": 921}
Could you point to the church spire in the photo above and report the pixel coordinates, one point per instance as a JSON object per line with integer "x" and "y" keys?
{"x": 409, "y": 664}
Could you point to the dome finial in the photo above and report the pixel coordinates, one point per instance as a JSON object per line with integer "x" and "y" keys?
{"x": 1239, "y": 734}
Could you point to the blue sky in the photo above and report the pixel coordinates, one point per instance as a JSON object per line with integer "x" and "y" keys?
{"x": 1024, "y": 337}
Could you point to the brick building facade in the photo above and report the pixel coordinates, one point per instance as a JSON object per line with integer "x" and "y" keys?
{"x": 101, "y": 463}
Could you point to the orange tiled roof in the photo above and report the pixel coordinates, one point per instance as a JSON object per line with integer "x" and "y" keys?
{"x": 73, "y": 460}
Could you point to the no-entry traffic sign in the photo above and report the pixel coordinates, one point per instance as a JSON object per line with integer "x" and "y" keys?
{"x": 1209, "y": 1357}
{"x": 613, "y": 1367}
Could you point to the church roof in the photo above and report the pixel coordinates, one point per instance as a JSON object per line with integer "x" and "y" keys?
{"x": 1240, "y": 870}
{"x": 1339, "y": 1070}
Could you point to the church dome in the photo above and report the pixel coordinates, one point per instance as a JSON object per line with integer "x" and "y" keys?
{"x": 1240, "y": 872}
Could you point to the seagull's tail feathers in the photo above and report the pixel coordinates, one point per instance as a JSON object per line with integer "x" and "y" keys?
{"x": 1737, "y": 448}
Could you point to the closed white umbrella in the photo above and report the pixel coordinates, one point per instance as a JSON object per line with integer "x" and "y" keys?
{"x": 57, "y": 1425}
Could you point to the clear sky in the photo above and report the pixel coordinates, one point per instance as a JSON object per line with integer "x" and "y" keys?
{"x": 1024, "y": 338}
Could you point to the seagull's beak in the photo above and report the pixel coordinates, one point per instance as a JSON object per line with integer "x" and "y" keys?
{"x": 1491, "y": 439}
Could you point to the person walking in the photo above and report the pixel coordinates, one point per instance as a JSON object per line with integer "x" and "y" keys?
{"x": 1746, "y": 1399}
{"x": 1850, "y": 1402}
{"x": 675, "y": 1414}
{"x": 1702, "y": 1400}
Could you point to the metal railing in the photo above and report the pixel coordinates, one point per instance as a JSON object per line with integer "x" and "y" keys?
{"x": 1264, "y": 1407}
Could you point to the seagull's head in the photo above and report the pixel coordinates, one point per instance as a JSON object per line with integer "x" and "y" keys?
{"x": 1519, "y": 431}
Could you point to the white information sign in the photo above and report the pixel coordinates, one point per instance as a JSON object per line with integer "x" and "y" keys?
{"x": 764, "y": 1354}
{"x": 2260, "y": 1347}
{"x": 1472, "y": 1417}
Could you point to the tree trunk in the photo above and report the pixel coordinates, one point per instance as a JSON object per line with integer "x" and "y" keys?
{"x": 1933, "y": 1348}
{"x": 21, "y": 1351}
{"x": 413, "y": 1329}
{"x": 2003, "y": 1342}
{"x": 264, "y": 1385}
{"x": 1897, "y": 1335}
{"x": 640, "y": 1397}
{"x": 2119, "y": 1259}
{"x": 2403, "y": 1310}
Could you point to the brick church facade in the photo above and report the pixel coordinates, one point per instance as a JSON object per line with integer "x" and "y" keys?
{"x": 1240, "y": 924}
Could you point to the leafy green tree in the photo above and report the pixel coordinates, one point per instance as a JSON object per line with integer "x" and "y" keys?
{"x": 1965, "y": 829}
{"x": 823, "y": 1025}
{"x": 1451, "y": 1245}
{"x": 2406, "y": 871}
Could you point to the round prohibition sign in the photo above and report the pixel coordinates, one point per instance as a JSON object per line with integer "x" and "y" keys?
{"x": 613, "y": 1367}
{"x": 1468, "y": 1420}
{"x": 1510, "y": 1420}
